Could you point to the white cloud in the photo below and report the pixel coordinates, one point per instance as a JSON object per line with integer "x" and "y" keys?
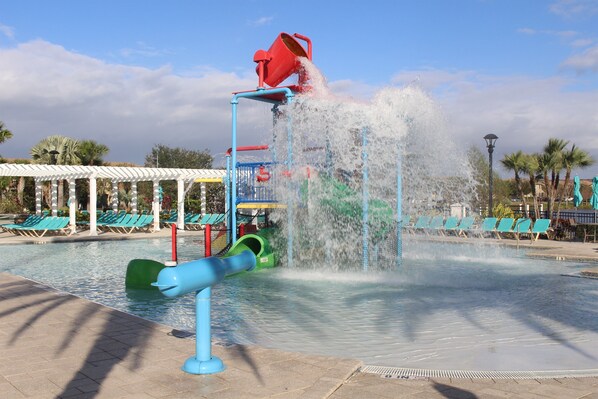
{"x": 572, "y": 8}
{"x": 584, "y": 62}
{"x": 49, "y": 90}
{"x": 7, "y": 31}
{"x": 143, "y": 50}
{"x": 523, "y": 111}
{"x": 261, "y": 21}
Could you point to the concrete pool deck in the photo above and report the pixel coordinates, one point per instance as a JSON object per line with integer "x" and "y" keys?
{"x": 54, "y": 345}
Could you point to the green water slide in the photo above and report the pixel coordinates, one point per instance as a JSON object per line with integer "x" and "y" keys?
{"x": 257, "y": 244}
{"x": 346, "y": 202}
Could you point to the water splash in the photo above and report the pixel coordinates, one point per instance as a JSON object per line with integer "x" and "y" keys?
{"x": 319, "y": 139}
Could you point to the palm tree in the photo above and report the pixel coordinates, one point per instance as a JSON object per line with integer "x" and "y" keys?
{"x": 91, "y": 152}
{"x": 553, "y": 160}
{"x": 56, "y": 150}
{"x": 531, "y": 167}
{"x": 515, "y": 162}
{"x": 5, "y": 134}
{"x": 572, "y": 159}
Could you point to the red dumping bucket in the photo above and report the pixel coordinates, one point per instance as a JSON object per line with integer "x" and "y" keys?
{"x": 281, "y": 61}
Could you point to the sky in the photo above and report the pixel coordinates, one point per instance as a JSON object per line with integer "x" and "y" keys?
{"x": 135, "y": 73}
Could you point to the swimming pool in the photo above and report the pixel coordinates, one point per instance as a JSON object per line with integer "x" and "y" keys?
{"x": 449, "y": 307}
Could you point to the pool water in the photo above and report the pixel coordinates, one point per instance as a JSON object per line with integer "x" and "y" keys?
{"x": 448, "y": 307}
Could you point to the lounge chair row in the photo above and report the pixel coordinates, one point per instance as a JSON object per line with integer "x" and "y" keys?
{"x": 195, "y": 221}
{"x": 125, "y": 223}
{"x": 39, "y": 225}
{"x": 489, "y": 227}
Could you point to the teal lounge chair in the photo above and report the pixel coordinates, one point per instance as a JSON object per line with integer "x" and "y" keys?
{"x": 31, "y": 220}
{"x": 465, "y": 226}
{"x": 522, "y": 226}
{"x": 51, "y": 223}
{"x": 422, "y": 223}
{"x": 541, "y": 226}
{"x": 144, "y": 222}
{"x": 488, "y": 226}
{"x": 450, "y": 225}
{"x": 435, "y": 225}
{"x": 504, "y": 226}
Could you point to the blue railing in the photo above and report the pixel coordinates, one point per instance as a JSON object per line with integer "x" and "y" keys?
{"x": 256, "y": 182}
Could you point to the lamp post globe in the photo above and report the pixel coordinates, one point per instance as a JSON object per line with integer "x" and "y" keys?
{"x": 490, "y": 141}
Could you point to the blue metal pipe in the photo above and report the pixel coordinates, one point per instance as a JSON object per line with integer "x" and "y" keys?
{"x": 399, "y": 208}
{"x": 199, "y": 276}
{"x": 228, "y": 193}
{"x": 365, "y": 202}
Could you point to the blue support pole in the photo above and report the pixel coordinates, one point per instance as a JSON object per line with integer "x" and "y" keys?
{"x": 233, "y": 209}
{"x": 365, "y": 202}
{"x": 290, "y": 204}
{"x": 203, "y": 362}
{"x": 228, "y": 193}
{"x": 399, "y": 208}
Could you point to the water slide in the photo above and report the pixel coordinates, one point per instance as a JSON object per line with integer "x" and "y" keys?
{"x": 346, "y": 202}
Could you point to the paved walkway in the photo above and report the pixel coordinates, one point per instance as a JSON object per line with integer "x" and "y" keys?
{"x": 54, "y": 345}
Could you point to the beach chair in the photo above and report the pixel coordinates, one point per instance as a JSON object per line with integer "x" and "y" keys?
{"x": 144, "y": 222}
{"x": 421, "y": 223}
{"x": 465, "y": 226}
{"x": 522, "y": 226}
{"x": 488, "y": 226}
{"x": 541, "y": 226}
{"x": 31, "y": 220}
{"x": 51, "y": 223}
{"x": 451, "y": 223}
{"x": 436, "y": 223}
{"x": 504, "y": 226}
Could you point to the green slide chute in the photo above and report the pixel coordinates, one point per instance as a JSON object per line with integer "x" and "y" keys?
{"x": 256, "y": 244}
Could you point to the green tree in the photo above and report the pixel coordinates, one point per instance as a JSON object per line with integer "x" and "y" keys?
{"x": 167, "y": 157}
{"x": 5, "y": 134}
{"x": 552, "y": 162}
{"x": 56, "y": 150}
{"x": 515, "y": 162}
{"x": 91, "y": 152}
{"x": 531, "y": 167}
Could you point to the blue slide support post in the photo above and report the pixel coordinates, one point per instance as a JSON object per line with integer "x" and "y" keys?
{"x": 200, "y": 276}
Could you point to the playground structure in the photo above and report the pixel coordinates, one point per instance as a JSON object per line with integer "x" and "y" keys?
{"x": 286, "y": 183}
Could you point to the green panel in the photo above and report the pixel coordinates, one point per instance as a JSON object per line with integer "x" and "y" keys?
{"x": 141, "y": 273}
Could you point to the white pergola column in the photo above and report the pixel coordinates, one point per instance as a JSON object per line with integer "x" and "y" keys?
{"x": 156, "y": 205}
{"x": 180, "y": 204}
{"x": 134, "y": 197}
{"x": 38, "y": 196}
{"x": 54, "y": 197}
{"x": 72, "y": 206}
{"x": 114, "y": 196}
{"x": 93, "y": 205}
{"x": 202, "y": 187}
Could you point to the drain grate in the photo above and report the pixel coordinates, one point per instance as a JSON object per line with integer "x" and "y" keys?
{"x": 408, "y": 373}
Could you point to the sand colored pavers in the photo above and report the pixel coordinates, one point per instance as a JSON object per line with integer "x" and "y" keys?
{"x": 54, "y": 345}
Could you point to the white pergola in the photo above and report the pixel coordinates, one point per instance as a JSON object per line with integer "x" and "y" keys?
{"x": 116, "y": 174}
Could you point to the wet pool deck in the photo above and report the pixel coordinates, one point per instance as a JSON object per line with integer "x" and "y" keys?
{"x": 54, "y": 345}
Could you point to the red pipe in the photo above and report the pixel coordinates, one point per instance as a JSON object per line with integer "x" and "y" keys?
{"x": 241, "y": 230}
{"x": 174, "y": 254}
{"x": 247, "y": 148}
{"x": 208, "y": 240}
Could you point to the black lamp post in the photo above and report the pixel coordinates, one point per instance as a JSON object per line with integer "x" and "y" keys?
{"x": 53, "y": 155}
{"x": 490, "y": 140}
